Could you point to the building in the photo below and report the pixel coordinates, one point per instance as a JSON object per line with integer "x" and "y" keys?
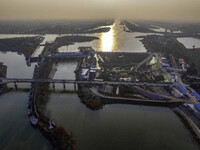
{"x": 84, "y": 74}
{"x": 181, "y": 89}
{"x": 164, "y": 64}
{"x": 176, "y": 92}
{"x": 197, "y": 106}
{"x": 93, "y": 73}
{"x": 196, "y": 95}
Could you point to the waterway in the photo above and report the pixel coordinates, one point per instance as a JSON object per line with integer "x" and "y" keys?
{"x": 113, "y": 127}
{"x": 16, "y": 132}
{"x": 49, "y": 38}
{"x": 115, "y": 40}
{"x": 189, "y": 42}
{"x": 65, "y": 70}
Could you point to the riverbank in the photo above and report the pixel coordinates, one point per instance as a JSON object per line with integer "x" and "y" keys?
{"x": 182, "y": 113}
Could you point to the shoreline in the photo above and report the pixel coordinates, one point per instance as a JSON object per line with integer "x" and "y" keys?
{"x": 21, "y": 45}
{"x": 191, "y": 126}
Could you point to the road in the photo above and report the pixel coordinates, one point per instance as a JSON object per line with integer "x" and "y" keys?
{"x": 94, "y": 91}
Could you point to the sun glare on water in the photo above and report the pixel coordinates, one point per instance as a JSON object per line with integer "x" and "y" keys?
{"x": 107, "y": 40}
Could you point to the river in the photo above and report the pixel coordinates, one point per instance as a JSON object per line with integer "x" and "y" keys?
{"x": 119, "y": 127}
{"x": 115, "y": 126}
{"x": 116, "y": 40}
{"x": 189, "y": 42}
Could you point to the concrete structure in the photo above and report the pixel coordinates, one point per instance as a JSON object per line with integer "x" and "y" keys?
{"x": 84, "y": 74}
{"x": 66, "y": 55}
{"x": 16, "y": 80}
{"x": 196, "y": 95}
{"x": 181, "y": 89}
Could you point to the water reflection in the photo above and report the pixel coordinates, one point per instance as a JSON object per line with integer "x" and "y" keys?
{"x": 107, "y": 40}
{"x": 119, "y": 127}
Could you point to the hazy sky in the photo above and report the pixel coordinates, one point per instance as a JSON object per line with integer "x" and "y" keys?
{"x": 181, "y": 10}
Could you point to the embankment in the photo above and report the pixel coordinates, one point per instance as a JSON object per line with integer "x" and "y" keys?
{"x": 3, "y": 73}
{"x": 57, "y": 135}
{"x": 188, "y": 123}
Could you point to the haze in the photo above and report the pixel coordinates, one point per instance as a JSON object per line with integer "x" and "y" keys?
{"x": 178, "y": 10}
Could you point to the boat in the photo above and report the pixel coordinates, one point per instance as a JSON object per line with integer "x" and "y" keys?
{"x": 33, "y": 120}
{"x": 50, "y": 125}
{"x": 29, "y": 112}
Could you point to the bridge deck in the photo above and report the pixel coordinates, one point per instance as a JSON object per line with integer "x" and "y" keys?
{"x": 12, "y": 80}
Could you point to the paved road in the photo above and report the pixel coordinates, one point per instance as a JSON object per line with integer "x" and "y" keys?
{"x": 96, "y": 92}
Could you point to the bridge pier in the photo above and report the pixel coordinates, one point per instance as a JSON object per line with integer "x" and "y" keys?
{"x": 64, "y": 86}
{"x": 53, "y": 85}
{"x": 15, "y": 84}
{"x": 117, "y": 90}
{"x": 75, "y": 86}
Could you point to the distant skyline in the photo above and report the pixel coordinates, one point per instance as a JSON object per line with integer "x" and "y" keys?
{"x": 174, "y": 10}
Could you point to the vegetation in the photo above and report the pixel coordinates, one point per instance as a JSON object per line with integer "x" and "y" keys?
{"x": 22, "y": 45}
{"x": 91, "y": 103}
{"x": 53, "y": 27}
{"x": 67, "y": 40}
{"x": 169, "y": 45}
{"x": 58, "y": 136}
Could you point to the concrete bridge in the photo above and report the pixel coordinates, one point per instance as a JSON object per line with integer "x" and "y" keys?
{"x": 63, "y": 81}
{"x": 68, "y": 55}
{"x": 59, "y": 56}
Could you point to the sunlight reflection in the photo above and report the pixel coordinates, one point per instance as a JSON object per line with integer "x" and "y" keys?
{"x": 107, "y": 40}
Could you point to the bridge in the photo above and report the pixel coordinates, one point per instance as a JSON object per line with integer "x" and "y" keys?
{"x": 59, "y": 56}
{"x": 68, "y": 55}
{"x": 17, "y": 80}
